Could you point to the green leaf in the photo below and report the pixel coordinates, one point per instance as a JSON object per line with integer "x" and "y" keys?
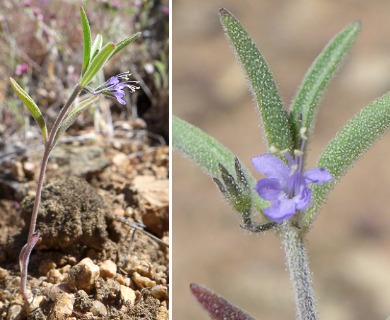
{"x": 208, "y": 153}
{"x": 97, "y": 45}
{"x": 87, "y": 40}
{"x": 31, "y": 105}
{"x": 124, "y": 43}
{"x": 349, "y": 144}
{"x": 97, "y": 63}
{"x": 305, "y": 104}
{"x": 273, "y": 114}
{"x": 72, "y": 116}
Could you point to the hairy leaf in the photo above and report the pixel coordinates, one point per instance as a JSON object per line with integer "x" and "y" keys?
{"x": 273, "y": 114}
{"x": 124, "y": 43}
{"x": 305, "y": 104}
{"x": 208, "y": 153}
{"x": 348, "y": 145}
{"x": 87, "y": 40}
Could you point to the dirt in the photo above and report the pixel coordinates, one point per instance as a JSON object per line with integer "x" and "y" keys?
{"x": 89, "y": 263}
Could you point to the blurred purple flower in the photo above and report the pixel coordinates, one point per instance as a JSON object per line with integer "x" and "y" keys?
{"x": 286, "y": 186}
{"x": 21, "y": 69}
{"x": 114, "y": 87}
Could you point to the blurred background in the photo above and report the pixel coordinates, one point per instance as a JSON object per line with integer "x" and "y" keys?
{"x": 349, "y": 243}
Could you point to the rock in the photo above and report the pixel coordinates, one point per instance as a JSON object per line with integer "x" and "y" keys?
{"x": 57, "y": 290}
{"x": 54, "y": 276}
{"x": 36, "y": 303}
{"x": 46, "y": 265}
{"x": 15, "y": 312}
{"x": 162, "y": 313}
{"x": 122, "y": 280}
{"x": 81, "y": 161}
{"x": 83, "y": 275}
{"x": 108, "y": 269}
{"x": 159, "y": 292}
{"x": 29, "y": 169}
{"x": 63, "y": 308}
{"x": 152, "y": 196}
{"x": 120, "y": 159}
{"x": 3, "y": 273}
{"x": 98, "y": 308}
{"x": 127, "y": 294}
{"x": 141, "y": 281}
{"x": 82, "y": 302}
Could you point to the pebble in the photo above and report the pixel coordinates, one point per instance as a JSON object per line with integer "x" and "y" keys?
{"x": 46, "y": 265}
{"x": 36, "y": 302}
{"x": 54, "y": 276}
{"x": 3, "y": 273}
{"x": 108, "y": 269}
{"x": 122, "y": 280}
{"x": 63, "y": 307}
{"x": 83, "y": 275}
{"x": 120, "y": 159}
{"x": 127, "y": 294}
{"x": 159, "y": 292}
{"x": 162, "y": 313}
{"x": 98, "y": 308}
{"x": 141, "y": 281}
{"x": 14, "y": 312}
{"x": 29, "y": 169}
{"x": 57, "y": 290}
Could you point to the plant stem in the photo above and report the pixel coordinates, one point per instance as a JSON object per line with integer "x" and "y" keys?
{"x": 298, "y": 267}
{"x": 33, "y": 236}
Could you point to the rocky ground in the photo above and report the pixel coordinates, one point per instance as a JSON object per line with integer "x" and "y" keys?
{"x": 103, "y": 220}
{"x": 93, "y": 261}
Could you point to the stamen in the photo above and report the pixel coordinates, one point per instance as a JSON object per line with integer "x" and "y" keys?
{"x": 302, "y": 133}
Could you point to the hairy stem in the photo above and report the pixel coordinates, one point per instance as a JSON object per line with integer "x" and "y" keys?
{"x": 298, "y": 268}
{"x": 33, "y": 236}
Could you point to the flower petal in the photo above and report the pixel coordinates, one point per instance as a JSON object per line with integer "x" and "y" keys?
{"x": 269, "y": 189}
{"x": 112, "y": 80}
{"x": 281, "y": 210}
{"x": 271, "y": 166}
{"x": 303, "y": 199}
{"x": 317, "y": 175}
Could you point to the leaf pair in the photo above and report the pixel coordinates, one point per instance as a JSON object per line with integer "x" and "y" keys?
{"x": 94, "y": 55}
{"x": 282, "y": 128}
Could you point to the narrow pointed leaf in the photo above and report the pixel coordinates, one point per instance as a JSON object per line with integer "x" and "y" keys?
{"x": 31, "y": 105}
{"x": 217, "y": 307}
{"x": 87, "y": 39}
{"x": 124, "y": 43}
{"x": 97, "y": 45}
{"x": 97, "y": 63}
{"x": 305, "y": 104}
{"x": 208, "y": 153}
{"x": 273, "y": 114}
{"x": 349, "y": 144}
{"x": 72, "y": 116}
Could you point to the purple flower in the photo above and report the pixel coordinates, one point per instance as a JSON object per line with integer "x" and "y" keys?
{"x": 114, "y": 87}
{"x": 286, "y": 186}
{"x": 21, "y": 69}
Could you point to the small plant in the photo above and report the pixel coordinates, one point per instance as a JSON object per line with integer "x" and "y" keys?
{"x": 289, "y": 198}
{"x": 95, "y": 56}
